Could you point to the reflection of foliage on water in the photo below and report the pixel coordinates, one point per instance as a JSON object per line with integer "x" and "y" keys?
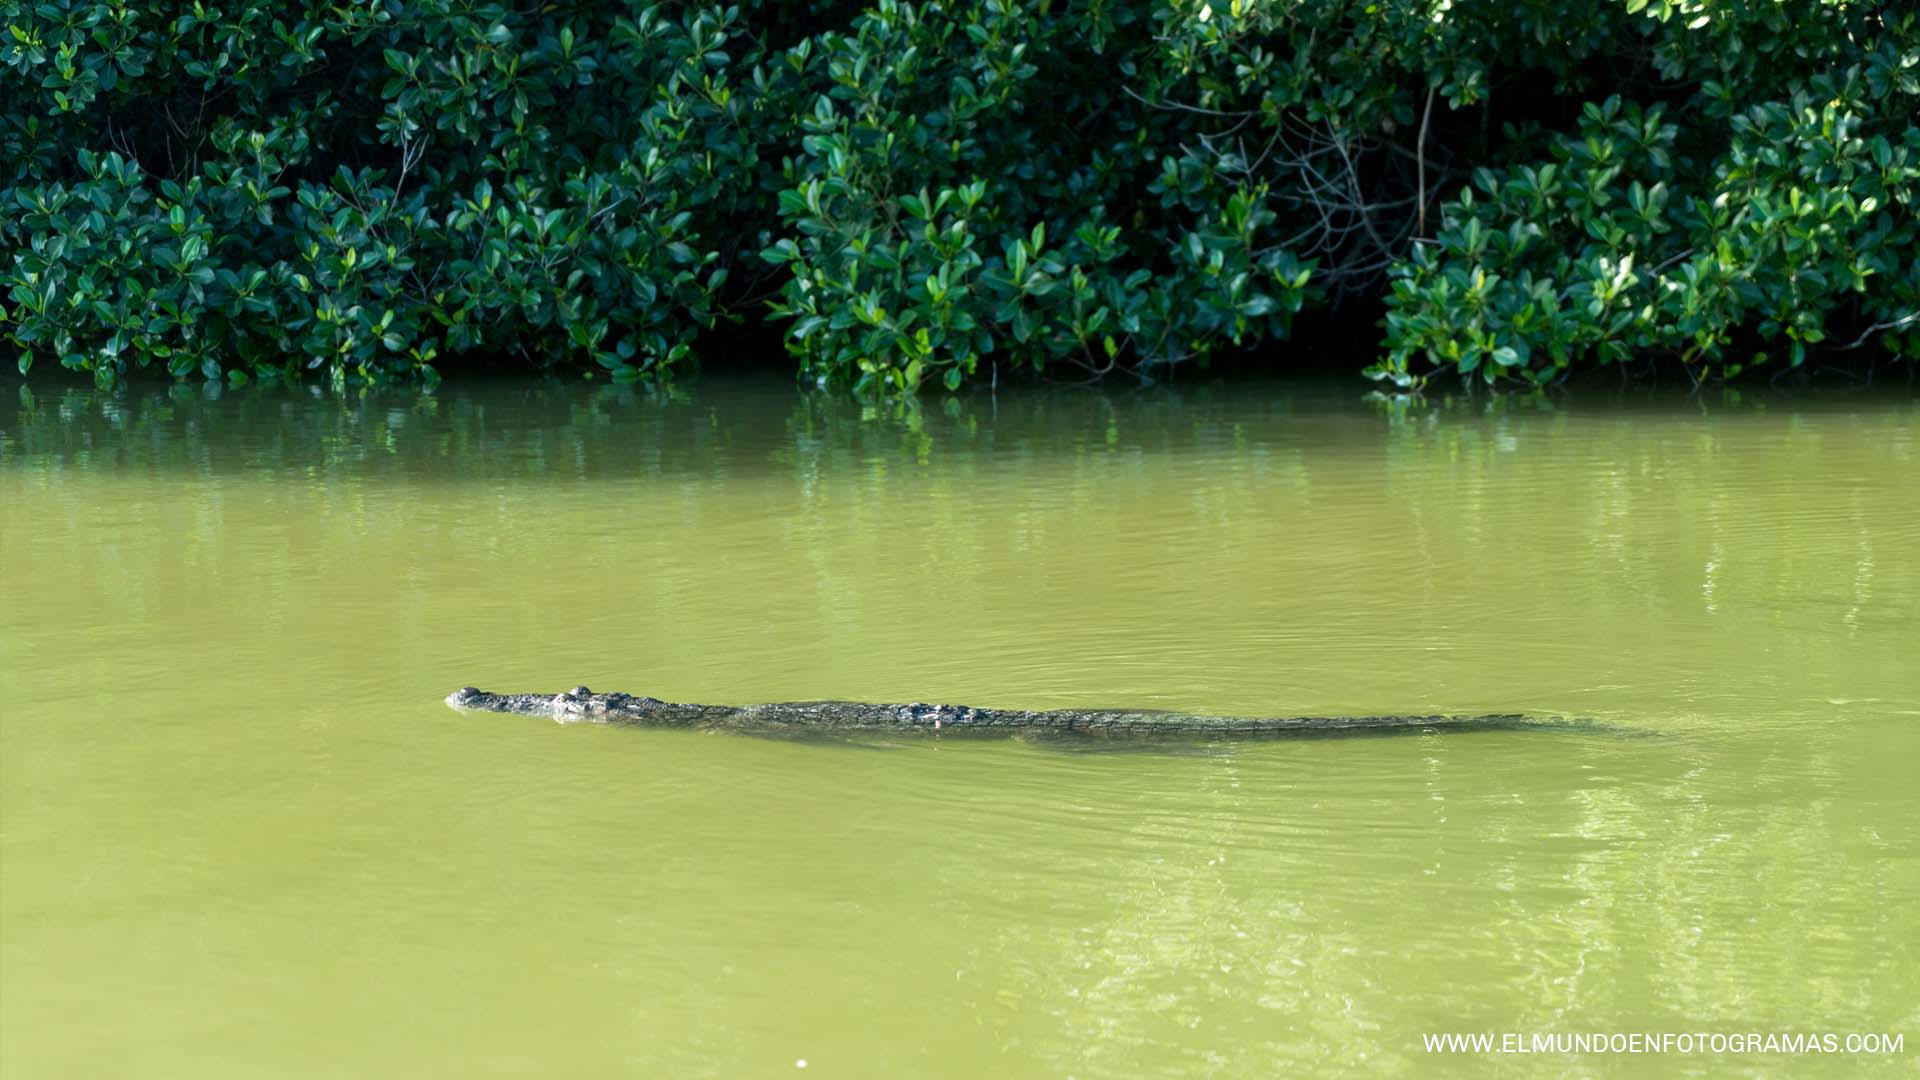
{"x": 1705, "y": 401}
{"x": 490, "y": 430}
{"x": 528, "y": 428}
{"x": 1636, "y": 509}
{"x": 1663, "y": 504}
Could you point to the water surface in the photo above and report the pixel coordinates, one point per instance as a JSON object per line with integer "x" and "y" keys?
{"x": 240, "y": 835}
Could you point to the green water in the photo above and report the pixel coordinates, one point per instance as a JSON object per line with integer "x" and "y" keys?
{"x": 240, "y": 836}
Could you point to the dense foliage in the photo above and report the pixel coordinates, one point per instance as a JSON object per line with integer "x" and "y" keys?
{"x": 915, "y": 191}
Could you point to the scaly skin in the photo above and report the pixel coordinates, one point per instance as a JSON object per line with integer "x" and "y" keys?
{"x": 794, "y": 717}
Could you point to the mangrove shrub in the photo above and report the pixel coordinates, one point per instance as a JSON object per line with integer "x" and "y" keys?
{"x": 910, "y": 191}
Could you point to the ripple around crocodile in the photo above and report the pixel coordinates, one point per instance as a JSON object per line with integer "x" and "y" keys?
{"x": 850, "y": 717}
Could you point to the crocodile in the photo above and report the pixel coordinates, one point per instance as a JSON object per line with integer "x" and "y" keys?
{"x": 852, "y": 717}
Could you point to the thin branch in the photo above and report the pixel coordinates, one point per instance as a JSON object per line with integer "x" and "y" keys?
{"x": 1420, "y": 150}
{"x": 1177, "y": 106}
{"x": 1893, "y": 324}
{"x": 1682, "y": 256}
